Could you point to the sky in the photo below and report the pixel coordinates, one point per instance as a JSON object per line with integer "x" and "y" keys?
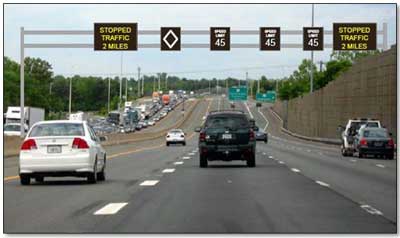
{"x": 189, "y": 63}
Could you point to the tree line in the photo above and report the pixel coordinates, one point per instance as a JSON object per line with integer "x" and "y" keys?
{"x": 45, "y": 90}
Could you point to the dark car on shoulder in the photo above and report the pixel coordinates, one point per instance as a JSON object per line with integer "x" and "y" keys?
{"x": 227, "y": 136}
{"x": 374, "y": 141}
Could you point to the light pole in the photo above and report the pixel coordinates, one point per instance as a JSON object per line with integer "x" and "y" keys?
{"x": 159, "y": 78}
{"x": 70, "y": 94}
{"x": 312, "y": 54}
{"x": 120, "y": 84}
{"x": 109, "y": 85}
{"x": 138, "y": 82}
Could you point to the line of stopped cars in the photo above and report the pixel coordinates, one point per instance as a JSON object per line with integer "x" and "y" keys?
{"x": 365, "y": 137}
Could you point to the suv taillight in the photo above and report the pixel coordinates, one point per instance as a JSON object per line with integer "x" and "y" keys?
{"x": 251, "y": 135}
{"x": 29, "y": 144}
{"x": 79, "y": 143}
{"x": 202, "y": 136}
{"x": 363, "y": 142}
{"x": 390, "y": 143}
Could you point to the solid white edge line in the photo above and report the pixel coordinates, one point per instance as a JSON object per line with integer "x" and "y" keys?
{"x": 110, "y": 208}
{"x": 248, "y": 109}
{"x": 267, "y": 122}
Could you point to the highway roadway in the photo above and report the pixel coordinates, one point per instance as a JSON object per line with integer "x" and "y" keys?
{"x": 297, "y": 187}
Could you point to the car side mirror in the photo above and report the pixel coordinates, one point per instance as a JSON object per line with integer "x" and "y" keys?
{"x": 102, "y": 138}
{"x": 256, "y": 128}
{"x": 390, "y": 134}
{"x": 197, "y": 129}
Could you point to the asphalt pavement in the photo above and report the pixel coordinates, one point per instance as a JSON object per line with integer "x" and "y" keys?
{"x": 297, "y": 187}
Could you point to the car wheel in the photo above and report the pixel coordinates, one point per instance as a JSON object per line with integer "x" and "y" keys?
{"x": 343, "y": 151}
{"x": 25, "y": 179}
{"x": 360, "y": 155}
{"x": 167, "y": 144}
{"x": 265, "y": 140}
{"x": 92, "y": 177}
{"x": 203, "y": 161}
{"x": 184, "y": 143}
{"x": 101, "y": 176}
{"x": 251, "y": 161}
{"x": 390, "y": 156}
{"x": 39, "y": 179}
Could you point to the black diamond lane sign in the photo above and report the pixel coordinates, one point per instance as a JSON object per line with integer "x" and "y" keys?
{"x": 170, "y": 38}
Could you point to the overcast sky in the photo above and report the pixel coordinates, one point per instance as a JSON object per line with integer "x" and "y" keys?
{"x": 197, "y": 63}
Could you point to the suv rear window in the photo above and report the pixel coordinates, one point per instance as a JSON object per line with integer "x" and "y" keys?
{"x": 227, "y": 121}
{"x": 375, "y": 134}
{"x": 57, "y": 129}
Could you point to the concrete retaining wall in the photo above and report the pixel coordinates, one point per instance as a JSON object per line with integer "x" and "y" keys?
{"x": 367, "y": 89}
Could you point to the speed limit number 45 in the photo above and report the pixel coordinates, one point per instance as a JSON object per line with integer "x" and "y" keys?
{"x": 313, "y": 38}
{"x": 220, "y": 38}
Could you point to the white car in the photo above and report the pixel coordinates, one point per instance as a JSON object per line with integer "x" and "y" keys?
{"x": 61, "y": 148}
{"x": 13, "y": 129}
{"x": 151, "y": 122}
{"x": 175, "y": 136}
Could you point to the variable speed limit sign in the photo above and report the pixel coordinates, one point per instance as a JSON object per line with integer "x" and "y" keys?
{"x": 220, "y": 38}
{"x": 313, "y": 38}
{"x": 270, "y": 38}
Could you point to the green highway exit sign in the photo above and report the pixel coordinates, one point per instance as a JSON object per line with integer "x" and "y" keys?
{"x": 238, "y": 94}
{"x": 269, "y": 96}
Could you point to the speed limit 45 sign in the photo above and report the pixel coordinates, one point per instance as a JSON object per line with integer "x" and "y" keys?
{"x": 270, "y": 38}
{"x": 313, "y": 38}
{"x": 220, "y": 38}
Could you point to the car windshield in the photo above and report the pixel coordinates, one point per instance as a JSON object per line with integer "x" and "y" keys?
{"x": 57, "y": 129}
{"x": 375, "y": 134}
{"x": 12, "y": 128}
{"x": 175, "y": 131}
{"x": 227, "y": 122}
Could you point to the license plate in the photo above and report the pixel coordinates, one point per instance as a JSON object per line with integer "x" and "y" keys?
{"x": 226, "y": 136}
{"x": 378, "y": 144}
{"x": 53, "y": 149}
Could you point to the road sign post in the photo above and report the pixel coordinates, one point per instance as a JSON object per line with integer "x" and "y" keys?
{"x": 238, "y": 93}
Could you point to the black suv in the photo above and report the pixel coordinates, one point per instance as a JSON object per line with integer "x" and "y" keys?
{"x": 227, "y": 135}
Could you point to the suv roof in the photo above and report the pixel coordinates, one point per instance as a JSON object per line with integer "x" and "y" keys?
{"x": 226, "y": 112}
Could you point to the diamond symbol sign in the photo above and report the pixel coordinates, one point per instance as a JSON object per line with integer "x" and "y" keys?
{"x": 170, "y": 38}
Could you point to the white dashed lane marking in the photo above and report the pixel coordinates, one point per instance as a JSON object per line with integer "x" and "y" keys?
{"x": 149, "y": 183}
{"x": 110, "y": 208}
{"x": 371, "y": 210}
{"x": 322, "y": 183}
{"x": 186, "y": 157}
{"x": 295, "y": 170}
{"x": 191, "y": 154}
{"x": 380, "y": 165}
{"x": 178, "y": 162}
{"x": 271, "y": 157}
{"x": 353, "y": 160}
{"x": 168, "y": 170}
{"x": 281, "y": 162}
